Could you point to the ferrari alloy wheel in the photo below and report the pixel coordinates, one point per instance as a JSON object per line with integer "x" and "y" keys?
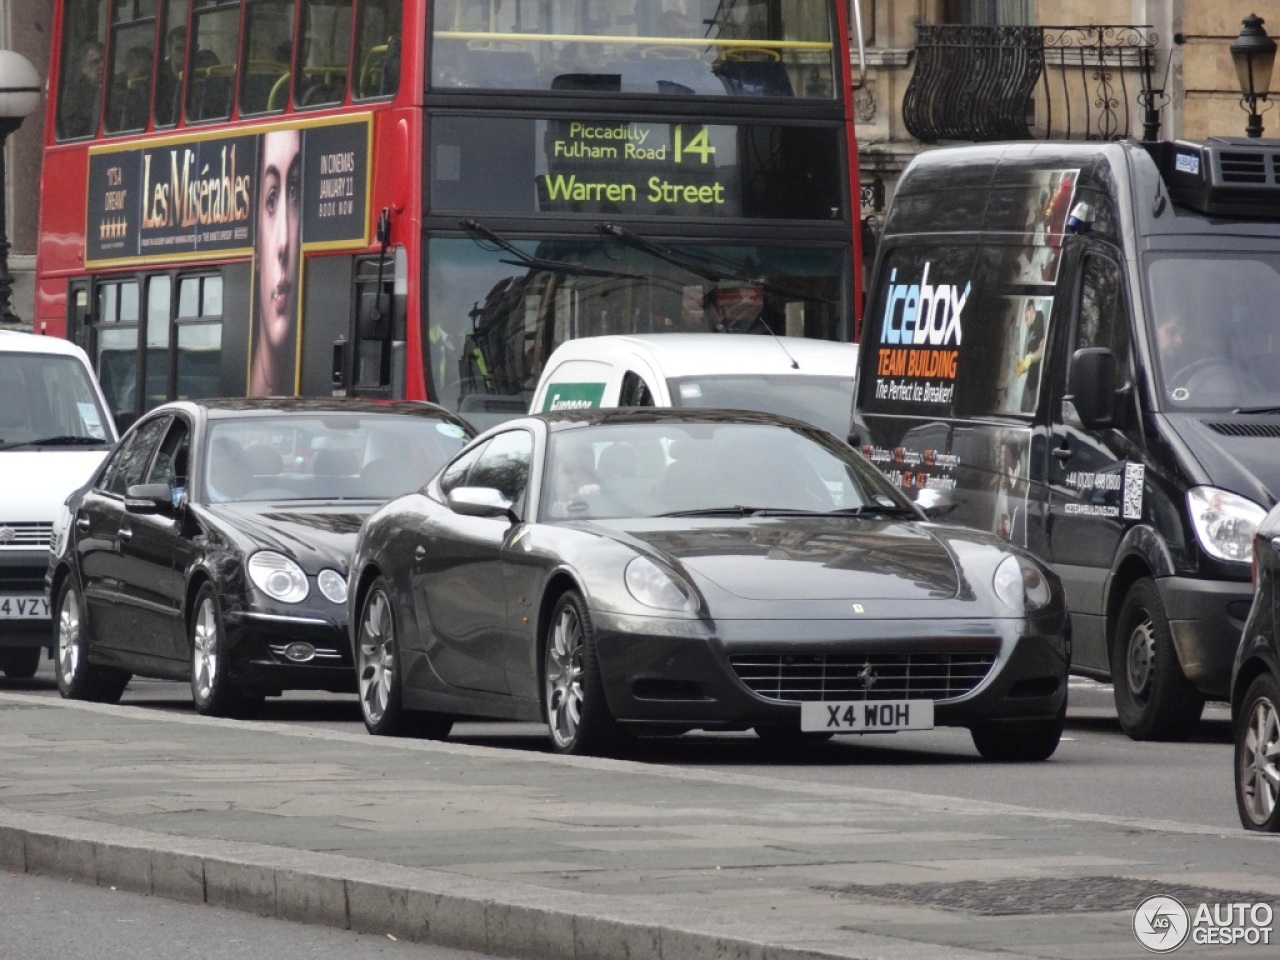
{"x": 211, "y": 688}
{"x": 577, "y": 715}
{"x": 378, "y": 674}
{"x": 1257, "y": 737}
{"x": 78, "y": 679}
{"x": 1154, "y": 701}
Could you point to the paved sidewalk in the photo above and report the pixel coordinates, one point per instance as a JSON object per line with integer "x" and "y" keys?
{"x": 536, "y": 856}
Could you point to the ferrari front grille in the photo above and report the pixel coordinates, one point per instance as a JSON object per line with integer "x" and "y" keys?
{"x": 798, "y": 677}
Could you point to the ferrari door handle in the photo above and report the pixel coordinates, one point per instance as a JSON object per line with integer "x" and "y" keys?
{"x": 126, "y": 533}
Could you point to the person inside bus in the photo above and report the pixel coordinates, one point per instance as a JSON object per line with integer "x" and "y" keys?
{"x": 131, "y": 89}
{"x": 169, "y": 78}
{"x": 82, "y": 93}
{"x": 277, "y": 237}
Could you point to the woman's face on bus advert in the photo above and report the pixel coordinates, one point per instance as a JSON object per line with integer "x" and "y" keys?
{"x": 279, "y": 220}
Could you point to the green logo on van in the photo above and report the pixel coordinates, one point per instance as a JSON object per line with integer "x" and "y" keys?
{"x": 573, "y": 396}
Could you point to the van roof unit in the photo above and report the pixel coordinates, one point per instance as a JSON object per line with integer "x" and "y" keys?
{"x": 1222, "y": 177}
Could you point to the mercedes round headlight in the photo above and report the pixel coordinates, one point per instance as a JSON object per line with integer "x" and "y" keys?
{"x": 1224, "y": 522}
{"x": 333, "y": 585}
{"x": 1020, "y": 585}
{"x": 655, "y": 587}
{"x": 278, "y": 576}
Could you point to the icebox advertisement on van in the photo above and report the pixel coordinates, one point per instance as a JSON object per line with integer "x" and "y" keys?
{"x": 1074, "y": 346}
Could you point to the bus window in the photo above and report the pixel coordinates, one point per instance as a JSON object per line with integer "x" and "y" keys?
{"x": 173, "y": 56}
{"x": 268, "y": 41}
{"x": 320, "y": 74}
{"x": 80, "y": 89}
{"x": 199, "y": 334}
{"x": 377, "y": 49}
{"x": 215, "y": 29}
{"x": 698, "y": 48}
{"x": 116, "y": 344}
{"x": 129, "y": 90}
{"x": 156, "y": 357}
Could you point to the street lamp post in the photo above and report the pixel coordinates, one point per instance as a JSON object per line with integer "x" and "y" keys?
{"x": 1254, "y": 55}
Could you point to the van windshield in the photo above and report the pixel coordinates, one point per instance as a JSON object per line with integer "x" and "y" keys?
{"x": 1216, "y": 330}
{"x": 825, "y": 402}
{"x": 49, "y": 400}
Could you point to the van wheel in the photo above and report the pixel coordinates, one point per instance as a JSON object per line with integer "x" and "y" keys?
{"x": 21, "y": 664}
{"x": 1154, "y": 700}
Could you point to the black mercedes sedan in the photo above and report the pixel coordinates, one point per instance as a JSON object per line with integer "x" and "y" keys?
{"x": 614, "y": 572}
{"x": 1255, "y": 689}
{"x": 213, "y": 544}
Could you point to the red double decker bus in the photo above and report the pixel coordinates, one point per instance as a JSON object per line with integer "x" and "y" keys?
{"x": 422, "y": 198}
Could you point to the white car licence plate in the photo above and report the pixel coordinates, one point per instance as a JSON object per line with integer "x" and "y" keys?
{"x": 866, "y": 716}
{"x": 24, "y": 608}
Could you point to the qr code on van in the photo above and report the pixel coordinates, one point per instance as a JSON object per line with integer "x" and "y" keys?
{"x": 1134, "y": 475}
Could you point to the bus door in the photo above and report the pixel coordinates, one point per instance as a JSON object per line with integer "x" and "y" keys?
{"x": 354, "y": 332}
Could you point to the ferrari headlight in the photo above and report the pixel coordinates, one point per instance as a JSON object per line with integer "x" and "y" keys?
{"x": 1020, "y": 584}
{"x": 333, "y": 585}
{"x": 1224, "y": 522}
{"x": 278, "y": 576}
{"x": 655, "y": 587}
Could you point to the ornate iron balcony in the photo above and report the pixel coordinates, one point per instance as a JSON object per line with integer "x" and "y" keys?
{"x": 1023, "y": 83}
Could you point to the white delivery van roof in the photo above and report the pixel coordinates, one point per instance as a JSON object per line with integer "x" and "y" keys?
{"x": 717, "y": 354}
{"x": 17, "y": 341}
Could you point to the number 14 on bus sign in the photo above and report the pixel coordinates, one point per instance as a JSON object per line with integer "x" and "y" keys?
{"x": 699, "y": 144}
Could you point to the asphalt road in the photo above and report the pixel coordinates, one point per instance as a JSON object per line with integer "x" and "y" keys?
{"x": 1097, "y": 769}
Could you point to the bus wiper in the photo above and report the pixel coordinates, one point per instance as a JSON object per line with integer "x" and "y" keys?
{"x": 483, "y": 235}
{"x": 701, "y": 266}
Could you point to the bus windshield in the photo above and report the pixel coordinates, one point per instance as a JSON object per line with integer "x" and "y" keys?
{"x": 1214, "y": 327}
{"x": 499, "y": 311}
{"x": 705, "y": 47}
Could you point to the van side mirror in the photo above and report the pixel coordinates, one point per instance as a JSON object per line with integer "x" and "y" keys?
{"x": 1091, "y": 386}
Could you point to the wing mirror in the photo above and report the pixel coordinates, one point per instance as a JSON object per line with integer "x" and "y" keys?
{"x": 148, "y": 497}
{"x": 1091, "y": 387}
{"x": 936, "y": 503}
{"x": 480, "y": 502}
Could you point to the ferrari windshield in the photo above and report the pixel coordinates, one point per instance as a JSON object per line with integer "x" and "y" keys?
{"x": 325, "y": 456}
{"x": 642, "y": 469}
{"x": 1216, "y": 330}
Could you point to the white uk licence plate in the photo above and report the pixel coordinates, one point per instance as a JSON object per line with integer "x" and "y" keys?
{"x": 24, "y": 608}
{"x": 866, "y": 716}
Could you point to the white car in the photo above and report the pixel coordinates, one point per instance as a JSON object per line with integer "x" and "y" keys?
{"x": 54, "y": 431}
{"x": 811, "y": 380}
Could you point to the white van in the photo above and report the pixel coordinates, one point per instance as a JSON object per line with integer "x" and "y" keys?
{"x": 54, "y": 430}
{"x": 811, "y": 380}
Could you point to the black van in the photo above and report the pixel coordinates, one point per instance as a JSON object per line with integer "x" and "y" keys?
{"x": 1077, "y": 346}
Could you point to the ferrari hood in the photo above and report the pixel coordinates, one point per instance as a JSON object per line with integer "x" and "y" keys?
{"x": 811, "y": 558}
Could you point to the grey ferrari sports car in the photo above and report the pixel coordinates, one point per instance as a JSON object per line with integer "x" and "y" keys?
{"x": 633, "y": 571}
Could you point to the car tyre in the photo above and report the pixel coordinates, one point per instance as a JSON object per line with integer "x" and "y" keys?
{"x": 574, "y": 704}
{"x": 1257, "y": 755}
{"x": 78, "y": 679}
{"x": 214, "y": 693}
{"x": 21, "y": 664}
{"x": 1154, "y": 700}
{"x": 1025, "y": 741}
{"x": 378, "y": 674}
